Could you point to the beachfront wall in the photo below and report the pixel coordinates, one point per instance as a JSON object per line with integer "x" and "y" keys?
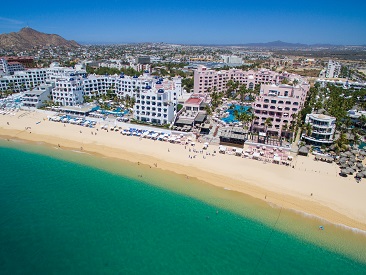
{"x": 278, "y": 103}
{"x": 322, "y": 129}
{"x": 211, "y": 80}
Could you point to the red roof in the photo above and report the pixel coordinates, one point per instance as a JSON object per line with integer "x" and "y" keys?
{"x": 194, "y": 101}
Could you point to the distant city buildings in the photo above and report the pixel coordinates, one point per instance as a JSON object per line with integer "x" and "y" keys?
{"x": 232, "y": 59}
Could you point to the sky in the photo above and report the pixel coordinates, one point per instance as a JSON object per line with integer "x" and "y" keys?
{"x": 191, "y": 22}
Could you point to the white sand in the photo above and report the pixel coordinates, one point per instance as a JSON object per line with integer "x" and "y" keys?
{"x": 336, "y": 199}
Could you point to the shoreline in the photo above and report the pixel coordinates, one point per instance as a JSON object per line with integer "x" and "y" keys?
{"x": 279, "y": 185}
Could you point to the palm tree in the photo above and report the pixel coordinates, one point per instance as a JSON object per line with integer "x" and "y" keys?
{"x": 341, "y": 143}
{"x": 308, "y": 129}
{"x": 208, "y": 110}
{"x": 268, "y": 123}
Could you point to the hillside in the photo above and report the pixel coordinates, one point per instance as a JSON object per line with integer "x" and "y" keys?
{"x": 28, "y": 38}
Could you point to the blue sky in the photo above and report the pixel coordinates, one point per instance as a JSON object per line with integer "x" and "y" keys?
{"x": 191, "y": 22}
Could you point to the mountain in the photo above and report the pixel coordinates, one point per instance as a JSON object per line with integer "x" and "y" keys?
{"x": 27, "y": 38}
{"x": 277, "y": 44}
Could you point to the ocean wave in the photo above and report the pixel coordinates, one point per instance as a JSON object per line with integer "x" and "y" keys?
{"x": 339, "y": 225}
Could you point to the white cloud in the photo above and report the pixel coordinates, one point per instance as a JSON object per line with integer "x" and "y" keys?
{"x": 11, "y": 21}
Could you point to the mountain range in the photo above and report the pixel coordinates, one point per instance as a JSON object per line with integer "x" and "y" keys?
{"x": 28, "y": 38}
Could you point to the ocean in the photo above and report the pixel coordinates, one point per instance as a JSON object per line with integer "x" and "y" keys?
{"x": 68, "y": 212}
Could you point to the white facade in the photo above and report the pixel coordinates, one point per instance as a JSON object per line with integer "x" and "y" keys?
{"x": 95, "y": 85}
{"x": 8, "y": 68}
{"x": 232, "y": 59}
{"x": 23, "y": 80}
{"x": 322, "y": 129}
{"x": 155, "y": 106}
{"x": 68, "y": 91}
{"x": 37, "y": 97}
{"x": 333, "y": 69}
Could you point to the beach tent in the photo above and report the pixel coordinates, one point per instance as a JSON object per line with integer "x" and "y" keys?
{"x": 222, "y": 149}
{"x": 256, "y": 155}
{"x": 277, "y": 159}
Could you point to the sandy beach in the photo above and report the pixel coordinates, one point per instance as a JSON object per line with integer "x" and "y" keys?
{"x": 336, "y": 199}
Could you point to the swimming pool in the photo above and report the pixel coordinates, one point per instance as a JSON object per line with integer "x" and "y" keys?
{"x": 231, "y": 118}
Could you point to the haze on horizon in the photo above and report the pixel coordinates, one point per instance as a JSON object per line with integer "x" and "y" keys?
{"x": 192, "y": 22}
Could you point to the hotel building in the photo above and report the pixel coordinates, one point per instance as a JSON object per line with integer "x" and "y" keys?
{"x": 278, "y": 103}
{"x": 68, "y": 91}
{"x": 206, "y": 79}
{"x": 38, "y": 96}
{"x": 23, "y": 80}
{"x": 322, "y": 129}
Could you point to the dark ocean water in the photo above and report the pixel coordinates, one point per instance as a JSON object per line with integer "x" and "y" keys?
{"x": 60, "y": 216}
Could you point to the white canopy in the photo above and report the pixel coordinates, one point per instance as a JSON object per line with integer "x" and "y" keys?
{"x": 256, "y": 155}
{"x": 239, "y": 151}
{"x": 277, "y": 158}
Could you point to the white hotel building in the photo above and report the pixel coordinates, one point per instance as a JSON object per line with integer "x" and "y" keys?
{"x": 156, "y": 98}
{"x": 23, "y": 80}
{"x": 68, "y": 91}
{"x": 322, "y": 129}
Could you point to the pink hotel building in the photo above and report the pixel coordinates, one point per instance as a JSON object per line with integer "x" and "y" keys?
{"x": 279, "y": 103}
{"x": 205, "y": 79}
{"x": 276, "y": 101}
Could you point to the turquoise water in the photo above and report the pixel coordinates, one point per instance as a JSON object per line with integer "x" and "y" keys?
{"x": 62, "y": 217}
{"x": 231, "y": 118}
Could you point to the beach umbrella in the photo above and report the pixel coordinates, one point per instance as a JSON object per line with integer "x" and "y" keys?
{"x": 363, "y": 153}
{"x": 344, "y": 172}
{"x": 350, "y": 171}
{"x": 359, "y": 165}
{"x": 359, "y": 175}
{"x": 364, "y": 174}
{"x": 355, "y": 152}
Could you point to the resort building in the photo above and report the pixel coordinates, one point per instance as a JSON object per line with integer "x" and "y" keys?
{"x": 333, "y": 69}
{"x": 278, "y": 103}
{"x": 55, "y": 71}
{"x": 322, "y": 129}
{"x": 23, "y": 80}
{"x": 154, "y": 105}
{"x": 210, "y": 80}
{"x": 344, "y": 84}
{"x": 68, "y": 91}
{"x": 9, "y": 67}
{"x": 38, "y": 96}
{"x": 232, "y": 59}
{"x": 26, "y": 61}
{"x": 95, "y": 85}
{"x": 193, "y": 111}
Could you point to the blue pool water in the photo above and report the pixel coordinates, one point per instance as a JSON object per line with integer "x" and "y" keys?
{"x": 231, "y": 117}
